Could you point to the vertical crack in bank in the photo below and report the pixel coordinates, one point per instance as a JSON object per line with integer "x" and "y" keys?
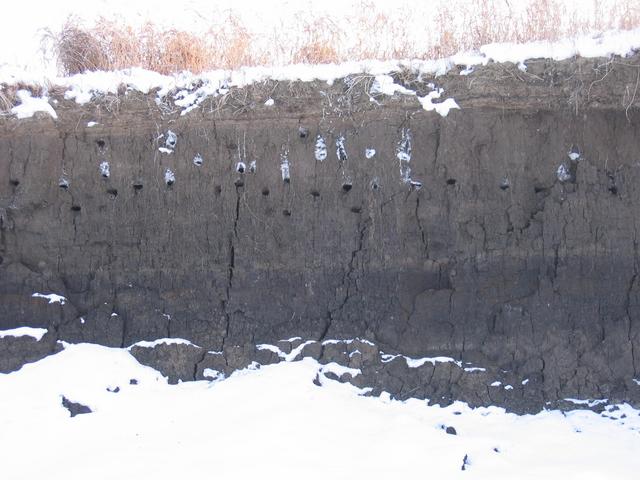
{"x": 627, "y": 305}
{"x": 346, "y": 279}
{"x": 437, "y": 146}
{"x": 231, "y": 267}
{"x": 423, "y": 233}
{"x": 197, "y": 363}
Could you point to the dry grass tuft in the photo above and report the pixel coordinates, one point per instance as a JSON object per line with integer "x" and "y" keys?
{"x": 409, "y": 32}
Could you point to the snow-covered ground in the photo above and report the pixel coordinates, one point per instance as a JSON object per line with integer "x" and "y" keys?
{"x": 273, "y": 422}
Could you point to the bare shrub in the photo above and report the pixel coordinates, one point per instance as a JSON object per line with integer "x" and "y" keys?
{"x": 319, "y": 41}
{"x": 409, "y": 31}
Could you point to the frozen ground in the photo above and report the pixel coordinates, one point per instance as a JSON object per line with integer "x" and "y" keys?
{"x": 274, "y": 422}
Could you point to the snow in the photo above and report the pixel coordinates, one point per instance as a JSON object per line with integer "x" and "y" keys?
{"x": 104, "y": 169}
{"x": 189, "y": 91}
{"x": 171, "y": 139}
{"x": 284, "y": 168}
{"x": 442, "y": 108}
{"x": 92, "y": 124}
{"x": 36, "y": 333}
{"x": 496, "y": 384}
{"x": 52, "y": 297}
{"x": 169, "y": 176}
{"x": 347, "y": 341}
{"x": 287, "y": 357}
{"x": 385, "y": 85}
{"x": 273, "y": 422}
{"x": 563, "y": 173}
{"x": 212, "y": 374}
{"x": 168, "y": 151}
{"x": 162, "y": 341}
{"x": 339, "y": 370}
{"x": 341, "y": 151}
{"x": 30, "y": 105}
{"x": 369, "y": 153}
{"x": 474, "y": 369}
{"x": 321, "y": 149}
{"x": 418, "y": 362}
{"x": 269, "y": 102}
{"x": 589, "y": 403}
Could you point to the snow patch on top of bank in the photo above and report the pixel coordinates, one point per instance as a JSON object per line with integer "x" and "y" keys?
{"x": 188, "y": 91}
{"x": 36, "y": 333}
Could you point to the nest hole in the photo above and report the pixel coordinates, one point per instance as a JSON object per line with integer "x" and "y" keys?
{"x": 75, "y": 208}
{"x": 239, "y": 183}
{"x": 504, "y": 186}
{"x": 265, "y": 192}
{"x": 315, "y": 193}
{"x": 356, "y": 209}
{"x": 286, "y": 212}
{"x": 170, "y": 183}
{"x": 137, "y": 187}
{"x": 14, "y": 182}
{"x": 112, "y": 192}
{"x": 218, "y": 189}
{"x": 303, "y": 132}
{"x": 101, "y": 144}
{"x": 451, "y": 181}
{"x": 287, "y": 180}
{"x": 613, "y": 189}
{"x": 346, "y": 187}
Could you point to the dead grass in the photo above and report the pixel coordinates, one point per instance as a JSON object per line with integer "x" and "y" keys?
{"x": 369, "y": 34}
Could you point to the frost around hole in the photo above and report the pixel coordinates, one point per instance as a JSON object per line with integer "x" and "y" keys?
{"x": 341, "y": 151}
{"x": 197, "y": 160}
{"x": 104, "y": 169}
{"x": 171, "y": 140}
{"x": 574, "y": 154}
{"x": 403, "y": 149}
{"x": 285, "y": 168}
{"x": 169, "y": 177}
{"x": 563, "y": 173}
{"x": 403, "y": 154}
{"x": 321, "y": 149}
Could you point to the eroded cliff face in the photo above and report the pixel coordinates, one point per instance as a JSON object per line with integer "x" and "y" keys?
{"x": 461, "y": 236}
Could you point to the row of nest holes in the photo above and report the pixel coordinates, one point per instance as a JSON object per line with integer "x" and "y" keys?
{"x": 346, "y": 187}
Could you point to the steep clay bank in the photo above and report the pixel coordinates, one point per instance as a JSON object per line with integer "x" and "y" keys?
{"x": 461, "y": 236}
